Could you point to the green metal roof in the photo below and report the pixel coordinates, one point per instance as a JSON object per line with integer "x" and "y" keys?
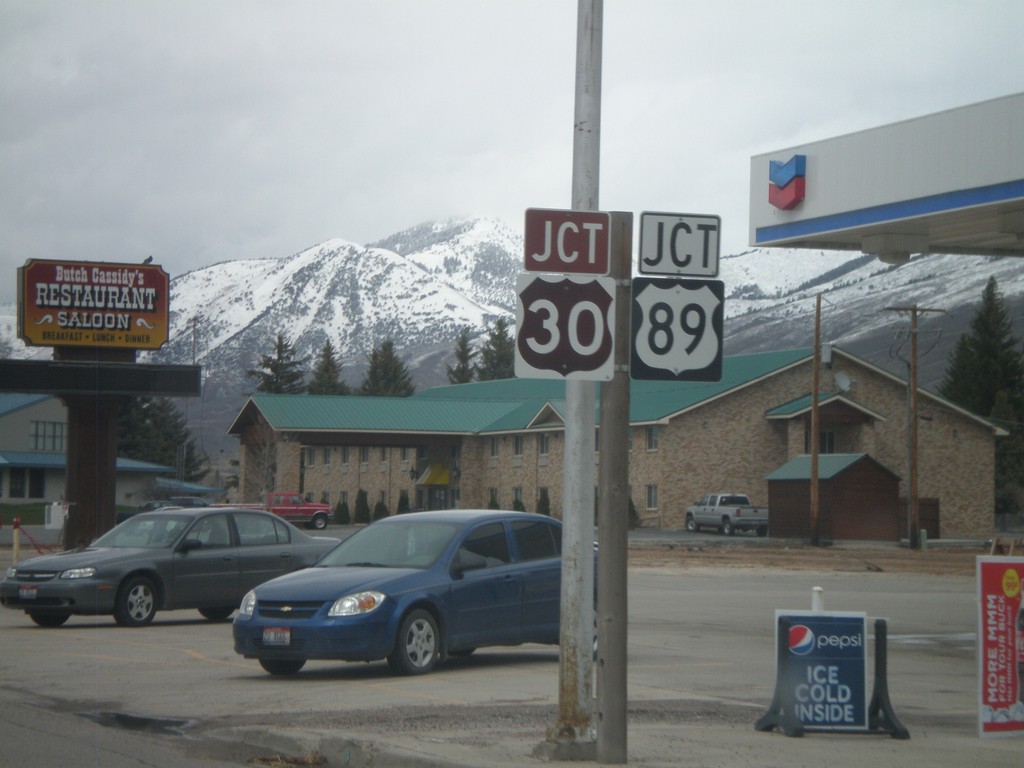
{"x": 38, "y": 460}
{"x": 497, "y": 406}
{"x": 829, "y": 466}
{"x": 381, "y": 414}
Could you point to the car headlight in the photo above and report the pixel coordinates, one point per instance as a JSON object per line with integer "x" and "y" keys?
{"x": 12, "y": 572}
{"x": 248, "y": 604}
{"x": 354, "y": 605}
{"x": 78, "y": 573}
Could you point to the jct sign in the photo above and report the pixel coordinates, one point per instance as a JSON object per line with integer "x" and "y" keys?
{"x": 567, "y": 241}
{"x": 682, "y": 244}
{"x": 564, "y": 327}
{"x": 92, "y": 304}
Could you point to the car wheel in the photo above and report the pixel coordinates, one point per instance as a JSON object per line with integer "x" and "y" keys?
{"x": 135, "y": 605}
{"x": 762, "y": 530}
{"x": 320, "y": 522}
{"x": 727, "y": 528}
{"x": 49, "y": 619}
{"x": 691, "y": 524}
{"x": 216, "y": 614}
{"x": 282, "y": 666}
{"x": 417, "y": 646}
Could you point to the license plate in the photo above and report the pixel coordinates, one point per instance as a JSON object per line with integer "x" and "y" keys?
{"x": 27, "y": 593}
{"x": 277, "y": 636}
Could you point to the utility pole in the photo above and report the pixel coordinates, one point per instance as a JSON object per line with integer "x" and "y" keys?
{"x": 815, "y": 427}
{"x": 573, "y": 735}
{"x": 913, "y": 512}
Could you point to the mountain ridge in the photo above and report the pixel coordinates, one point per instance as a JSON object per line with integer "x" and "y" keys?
{"x": 420, "y": 287}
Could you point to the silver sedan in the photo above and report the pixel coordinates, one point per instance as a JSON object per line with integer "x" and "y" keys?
{"x": 167, "y": 559}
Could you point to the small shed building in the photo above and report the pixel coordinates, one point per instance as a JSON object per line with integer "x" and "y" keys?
{"x": 858, "y": 498}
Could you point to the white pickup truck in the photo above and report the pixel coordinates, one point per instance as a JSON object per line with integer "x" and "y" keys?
{"x": 728, "y": 512}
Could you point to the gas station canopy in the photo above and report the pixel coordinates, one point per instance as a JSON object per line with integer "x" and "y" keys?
{"x": 951, "y": 182}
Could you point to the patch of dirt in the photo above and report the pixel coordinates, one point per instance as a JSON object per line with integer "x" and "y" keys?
{"x": 804, "y": 557}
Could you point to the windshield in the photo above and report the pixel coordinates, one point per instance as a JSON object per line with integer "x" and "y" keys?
{"x": 393, "y": 545}
{"x": 145, "y": 531}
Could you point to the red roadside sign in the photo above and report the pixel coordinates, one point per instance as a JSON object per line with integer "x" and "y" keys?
{"x": 576, "y": 242}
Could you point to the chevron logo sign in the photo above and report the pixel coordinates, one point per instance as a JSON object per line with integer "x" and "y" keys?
{"x": 787, "y": 182}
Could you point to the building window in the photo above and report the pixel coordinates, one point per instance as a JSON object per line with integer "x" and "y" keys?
{"x": 404, "y": 453}
{"x": 517, "y": 445}
{"x": 494, "y": 447}
{"x": 343, "y": 498}
{"x": 826, "y": 442}
{"x": 382, "y": 498}
{"x": 326, "y": 456}
{"x": 17, "y": 487}
{"x": 517, "y": 495}
{"x": 652, "y": 496}
{"x": 344, "y": 454}
{"x": 364, "y": 453}
{"x": 652, "y": 438}
{"x": 383, "y": 454}
{"x": 492, "y": 498}
{"x": 48, "y": 436}
{"x": 542, "y": 444}
{"x": 310, "y": 457}
{"x": 325, "y": 497}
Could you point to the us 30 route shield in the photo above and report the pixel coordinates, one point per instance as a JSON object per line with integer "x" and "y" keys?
{"x": 564, "y": 327}
{"x": 677, "y": 329}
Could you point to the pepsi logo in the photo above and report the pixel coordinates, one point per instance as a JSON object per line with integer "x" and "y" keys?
{"x": 801, "y": 640}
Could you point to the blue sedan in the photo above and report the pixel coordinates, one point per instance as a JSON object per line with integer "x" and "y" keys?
{"x": 412, "y": 589}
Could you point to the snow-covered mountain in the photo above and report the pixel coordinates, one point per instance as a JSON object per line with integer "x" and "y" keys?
{"x": 420, "y": 287}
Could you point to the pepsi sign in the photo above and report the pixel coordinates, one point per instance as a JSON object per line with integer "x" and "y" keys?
{"x": 825, "y": 669}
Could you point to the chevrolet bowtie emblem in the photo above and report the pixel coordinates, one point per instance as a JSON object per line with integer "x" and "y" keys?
{"x": 286, "y": 608}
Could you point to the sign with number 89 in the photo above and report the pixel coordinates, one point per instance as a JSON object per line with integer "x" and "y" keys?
{"x": 677, "y": 329}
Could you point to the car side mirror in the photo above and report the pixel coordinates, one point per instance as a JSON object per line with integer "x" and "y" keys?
{"x": 189, "y": 544}
{"x": 468, "y": 561}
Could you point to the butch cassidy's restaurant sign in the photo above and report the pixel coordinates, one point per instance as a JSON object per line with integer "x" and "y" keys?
{"x": 92, "y": 304}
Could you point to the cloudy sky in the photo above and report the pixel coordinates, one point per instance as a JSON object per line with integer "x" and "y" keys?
{"x": 200, "y": 131}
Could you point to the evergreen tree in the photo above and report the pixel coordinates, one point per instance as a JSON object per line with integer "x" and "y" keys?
{"x": 986, "y": 361}
{"x": 544, "y": 503}
{"x": 362, "y": 510}
{"x": 986, "y": 376}
{"x": 326, "y": 378}
{"x": 387, "y": 375}
{"x": 154, "y": 430}
{"x": 497, "y": 356}
{"x": 464, "y": 369}
{"x": 280, "y": 374}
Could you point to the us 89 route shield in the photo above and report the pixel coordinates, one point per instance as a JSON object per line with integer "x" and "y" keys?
{"x": 676, "y": 328}
{"x": 564, "y": 327}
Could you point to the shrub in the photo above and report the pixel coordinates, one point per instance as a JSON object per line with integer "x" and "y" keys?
{"x": 341, "y": 514}
{"x": 362, "y": 514}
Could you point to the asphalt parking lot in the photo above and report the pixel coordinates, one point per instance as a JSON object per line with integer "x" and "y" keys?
{"x": 701, "y": 672}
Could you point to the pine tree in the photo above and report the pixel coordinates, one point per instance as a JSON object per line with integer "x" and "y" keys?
{"x": 497, "y": 356}
{"x": 387, "y": 375}
{"x": 362, "y": 510}
{"x": 326, "y": 378}
{"x": 280, "y": 374}
{"x": 464, "y": 370}
{"x": 154, "y": 430}
{"x": 986, "y": 376}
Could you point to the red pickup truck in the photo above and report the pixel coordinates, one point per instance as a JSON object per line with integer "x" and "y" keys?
{"x": 295, "y": 509}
